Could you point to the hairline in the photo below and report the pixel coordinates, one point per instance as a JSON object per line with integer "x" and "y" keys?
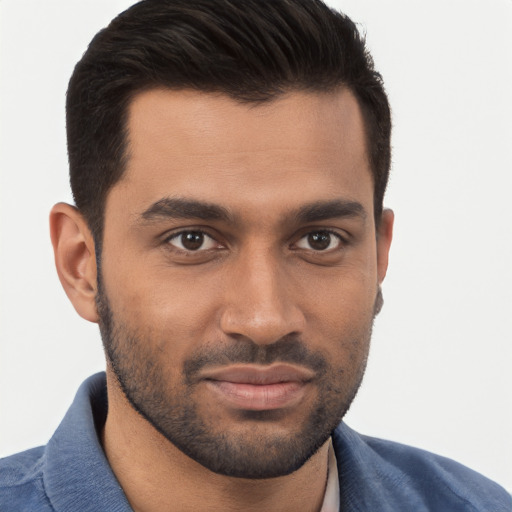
{"x": 255, "y": 102}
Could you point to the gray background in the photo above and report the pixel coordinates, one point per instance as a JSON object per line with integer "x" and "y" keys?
{"x": 440, "y": 374}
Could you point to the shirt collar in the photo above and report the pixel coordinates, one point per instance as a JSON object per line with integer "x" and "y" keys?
{"x": 76, "y": 473}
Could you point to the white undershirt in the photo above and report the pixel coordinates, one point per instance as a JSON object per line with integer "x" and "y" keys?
{"x": 331, "y": 501}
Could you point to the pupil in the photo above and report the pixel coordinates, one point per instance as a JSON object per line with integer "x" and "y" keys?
{"x": 192, "y": 241}
{"x": 319, "y": 241}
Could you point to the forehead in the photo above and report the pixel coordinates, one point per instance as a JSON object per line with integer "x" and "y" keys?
{"x": 299, "y": 147}
{"x": 189, "y": 119}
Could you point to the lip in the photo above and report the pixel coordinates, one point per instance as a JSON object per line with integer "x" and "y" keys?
{"x": 259, "y": 388}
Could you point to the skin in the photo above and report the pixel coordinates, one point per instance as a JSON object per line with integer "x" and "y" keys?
{"x": 257, "y": 277}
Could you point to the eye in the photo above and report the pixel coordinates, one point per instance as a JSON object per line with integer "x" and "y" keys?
{"x": 192, "y": 241}
{"x": 320, "y": 241}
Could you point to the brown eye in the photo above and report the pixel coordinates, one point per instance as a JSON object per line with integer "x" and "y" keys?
{"x": 192, "y": 241}
{"x": 319, "y": 241}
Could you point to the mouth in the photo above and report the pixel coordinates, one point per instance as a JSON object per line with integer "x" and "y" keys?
{"x": 259, "y": 388}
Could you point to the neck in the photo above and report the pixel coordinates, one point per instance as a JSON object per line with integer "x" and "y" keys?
{"x": 156, "y": 476}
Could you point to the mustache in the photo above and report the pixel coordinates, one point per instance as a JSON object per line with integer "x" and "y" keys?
{"x": 289, "y": 349}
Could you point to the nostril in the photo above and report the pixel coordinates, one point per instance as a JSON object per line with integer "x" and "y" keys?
{"x": 262, "y": 327}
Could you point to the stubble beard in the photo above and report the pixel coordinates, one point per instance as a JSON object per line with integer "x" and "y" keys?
{"x": 174, "y": 413}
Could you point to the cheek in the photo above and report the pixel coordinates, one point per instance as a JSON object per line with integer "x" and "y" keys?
{"x": 341, "y": 315}
{"x": 345, "y": 297}
{"x": 170, "y": 310}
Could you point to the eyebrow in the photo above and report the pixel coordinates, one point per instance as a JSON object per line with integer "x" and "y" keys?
{"x": 323, "y": 210}
{"x": 180, "y": 208}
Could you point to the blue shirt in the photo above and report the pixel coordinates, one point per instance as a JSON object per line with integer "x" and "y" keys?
{"x": 71, "y": 473}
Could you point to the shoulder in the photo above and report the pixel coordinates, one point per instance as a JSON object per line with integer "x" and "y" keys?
{"x": 401, "y": 474}
{"x": 21, "y": 482}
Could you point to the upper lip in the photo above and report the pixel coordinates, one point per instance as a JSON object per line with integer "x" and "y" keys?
{"x": 259, "y": 374}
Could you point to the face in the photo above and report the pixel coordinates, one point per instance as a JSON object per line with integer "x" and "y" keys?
{"x": 239, "y": 274}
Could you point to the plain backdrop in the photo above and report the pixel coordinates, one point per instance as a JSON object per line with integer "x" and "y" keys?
{"x": 439, "y": 375}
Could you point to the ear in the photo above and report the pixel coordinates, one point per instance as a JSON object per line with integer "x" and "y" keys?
{"x": 75, "y": 258}
{"x": 384, "y": 237}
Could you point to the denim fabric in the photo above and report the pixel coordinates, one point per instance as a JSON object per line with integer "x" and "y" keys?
{"x": 71, "y": 473}
{"x": 382, "y": 476}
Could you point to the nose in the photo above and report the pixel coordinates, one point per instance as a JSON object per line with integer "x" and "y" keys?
{"x": 260, "y": 303}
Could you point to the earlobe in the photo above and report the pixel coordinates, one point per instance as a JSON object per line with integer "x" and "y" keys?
{"x": 384, "y": 238}
{"x": 75, "y": 259}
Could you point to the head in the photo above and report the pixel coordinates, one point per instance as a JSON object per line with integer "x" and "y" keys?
{"x": 228, "y": 165}
{"x": 253, "y": 52}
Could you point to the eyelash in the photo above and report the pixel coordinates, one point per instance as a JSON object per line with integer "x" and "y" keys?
{"x": 179, "y": 234}
{"x": 342, "y": 241}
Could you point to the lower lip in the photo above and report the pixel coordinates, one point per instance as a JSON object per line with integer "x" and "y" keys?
{"x": 251, "y": 397}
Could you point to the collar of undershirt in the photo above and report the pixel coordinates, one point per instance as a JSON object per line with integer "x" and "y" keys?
{"x": 331, "y": 501}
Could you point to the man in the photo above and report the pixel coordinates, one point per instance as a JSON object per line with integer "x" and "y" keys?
{"x": 228, "y": 163}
